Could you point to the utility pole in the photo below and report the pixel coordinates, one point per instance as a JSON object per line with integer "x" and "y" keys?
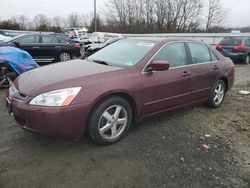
{"x": 95, "y": 16}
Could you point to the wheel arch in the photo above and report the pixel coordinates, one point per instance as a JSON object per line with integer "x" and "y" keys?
{"x": 225, "y": 80}
{"x": 121, "y": 94}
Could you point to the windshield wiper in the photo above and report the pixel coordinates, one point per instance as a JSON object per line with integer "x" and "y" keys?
{"x": 101, "y": 62}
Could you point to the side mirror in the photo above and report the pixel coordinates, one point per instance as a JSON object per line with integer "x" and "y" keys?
{"x": 159, "y": 66}
{"x": 16, "y": 43}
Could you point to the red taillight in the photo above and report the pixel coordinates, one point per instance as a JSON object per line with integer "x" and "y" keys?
{"x": 240, "y": 48}
{"x": 77, "y": 46}
{"x": 218, "y": 47}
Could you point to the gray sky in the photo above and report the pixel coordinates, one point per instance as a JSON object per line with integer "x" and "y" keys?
{"x": 239, "y": 13}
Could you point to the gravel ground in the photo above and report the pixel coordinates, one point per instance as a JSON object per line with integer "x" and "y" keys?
{"x": 162, "y": 152}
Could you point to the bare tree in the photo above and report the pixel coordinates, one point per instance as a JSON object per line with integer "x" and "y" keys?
{"x": 58, "y": 21}
{"x": 85, "y": 20}
{"x": 216, "y": 14}
{"x": 23, "y": 21}
{"x": 42, "y": 22}
{"x": 153, "y": 15}
{"x": 73, "y": 20}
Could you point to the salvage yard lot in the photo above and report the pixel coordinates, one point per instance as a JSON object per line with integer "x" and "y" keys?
{"x": 162, "y": 152}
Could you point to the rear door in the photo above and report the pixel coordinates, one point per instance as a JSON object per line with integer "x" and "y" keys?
{"x": 204, "y": 67}
{"x": 50, "y": 47}
{"x": 164, "y": 90}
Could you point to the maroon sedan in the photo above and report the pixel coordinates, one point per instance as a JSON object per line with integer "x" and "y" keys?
{"x": 128, "y": 81}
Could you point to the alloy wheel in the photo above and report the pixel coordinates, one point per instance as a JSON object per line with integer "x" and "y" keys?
{"x": 219, "y": 93}
{"x": 64, "y": 57}
{"x": 113, "y": 122}
{"x": 247, "y": 60}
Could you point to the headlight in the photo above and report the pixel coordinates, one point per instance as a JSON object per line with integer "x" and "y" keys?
{"x": 61, "y": 97}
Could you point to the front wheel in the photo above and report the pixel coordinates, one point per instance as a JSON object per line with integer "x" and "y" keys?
{"x": 110, "y": 121}
{"x": 217, "y": 94}
{"x": 5, "y": 82}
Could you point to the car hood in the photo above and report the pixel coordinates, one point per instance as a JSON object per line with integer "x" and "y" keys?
{"x": 58, "y": 76}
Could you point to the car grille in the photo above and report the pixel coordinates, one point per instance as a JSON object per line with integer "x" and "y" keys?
{"x": 15, "y": 93}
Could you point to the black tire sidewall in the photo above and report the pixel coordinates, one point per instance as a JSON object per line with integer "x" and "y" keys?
{"x": 211, "y": 102}
{"x": 92, "y": 128}
{"x": 4, "y": 86}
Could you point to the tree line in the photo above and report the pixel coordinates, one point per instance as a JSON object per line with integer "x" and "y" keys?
{"x": 165, "y": 16}
{"x": 42, "y": 23}
{"x": 135, "y": 16}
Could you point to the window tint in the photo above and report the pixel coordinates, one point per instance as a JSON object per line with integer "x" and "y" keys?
{"x": 247, "y": 42}
{"x": 28, "y": 39}
{"x": 63, "y": 41}
{"x": 231, "y": 41}
{"x": 49, "y": 40}
{"x": 174, "y": 53}
{"x": 199, "y": 53}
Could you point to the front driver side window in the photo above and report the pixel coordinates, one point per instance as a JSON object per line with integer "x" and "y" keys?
{"x": 31, "y": 39}
{"x": 174, "y": 53}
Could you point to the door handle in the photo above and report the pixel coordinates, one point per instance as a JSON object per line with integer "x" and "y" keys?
{"x": 216, "y": 67}
{"x": 36, "y": 47}
{"x": 186, "y": 73}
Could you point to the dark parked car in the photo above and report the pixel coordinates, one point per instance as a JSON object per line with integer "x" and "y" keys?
{"x": 236, "y": 48}
{"x": 127, "y": 81}
{"x": 45, "y": 48}
{"x": 93, "y": 48}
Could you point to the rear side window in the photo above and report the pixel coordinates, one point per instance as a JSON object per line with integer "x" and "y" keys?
{"x": 214, "y": 58}
{"x": 231, "y": 41}
{"x": 199, "y": 53}
{"x": 247, "y": 42}
{"x": 49, "y": 40}
{"x": 28, "y": 39}
{"x": 174, "y": 53}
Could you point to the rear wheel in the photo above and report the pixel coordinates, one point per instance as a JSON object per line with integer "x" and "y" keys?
{"x": 110, "y": 121}
{"x": 217, "y": 94}
{"x": 247, "y": 61}
{"x": 64, "y": 56}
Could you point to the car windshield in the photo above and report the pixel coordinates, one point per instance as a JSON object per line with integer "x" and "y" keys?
{"x": 14, "y": 38}
{"x": 231, "y": 41}
{"x": 124, "y": 53}
{"x": 109, "y": 41}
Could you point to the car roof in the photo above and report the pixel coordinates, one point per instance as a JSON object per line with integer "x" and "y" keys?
{"x": 165, "y": 39}
{"x": 235, "y": 37}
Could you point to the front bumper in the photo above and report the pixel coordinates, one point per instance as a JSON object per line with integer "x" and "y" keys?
{"x": 67, "y": 121}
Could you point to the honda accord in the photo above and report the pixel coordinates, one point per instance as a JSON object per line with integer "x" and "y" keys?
{"x": 128, "y": 81}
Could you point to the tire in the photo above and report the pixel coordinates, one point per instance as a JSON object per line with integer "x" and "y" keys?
{"x": 217, "y": 94}
{"x": 247, "y": 61}
{"x": 64, "y": 56}
{"x": 5, "y": 82}
{"x": 109, "y": 121}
